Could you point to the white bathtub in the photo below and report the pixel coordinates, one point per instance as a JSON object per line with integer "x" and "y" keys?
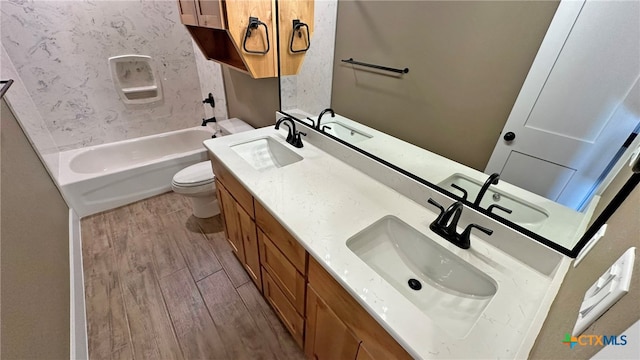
{"x": 107, "y": 176}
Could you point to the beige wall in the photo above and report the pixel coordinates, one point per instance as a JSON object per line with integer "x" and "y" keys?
{"x": 252, "y": 100}
{"x": 34, "y": 252}
{"x": 467, "y": 63}
{"x": 623, "y": 232}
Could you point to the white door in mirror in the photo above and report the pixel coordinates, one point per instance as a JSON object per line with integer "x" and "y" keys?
{"x": 606, "y": 291}
{"x": 579, "y": 100}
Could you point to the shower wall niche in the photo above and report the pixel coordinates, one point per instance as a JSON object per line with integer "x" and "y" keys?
{"x": 135, "y": 79}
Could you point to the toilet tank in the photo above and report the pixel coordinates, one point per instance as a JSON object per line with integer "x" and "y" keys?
{"x": 233, "y": 126}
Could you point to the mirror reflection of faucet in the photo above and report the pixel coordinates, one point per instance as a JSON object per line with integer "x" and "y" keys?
{"x": 496, "y": 206}
{"x": 327, "y": 110}
{"x": 464, "y": 192}
{"x": 492, "y": 180}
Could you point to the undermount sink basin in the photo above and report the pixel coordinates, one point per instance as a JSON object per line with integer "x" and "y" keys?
{"x": 266, "y": 153}
{"x": 524, "y": 213}
{"x": 453, "y": 293}
{"x": 345, "y": 132}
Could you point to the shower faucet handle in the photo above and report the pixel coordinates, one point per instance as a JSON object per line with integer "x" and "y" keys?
{"x": 209, "y": 100}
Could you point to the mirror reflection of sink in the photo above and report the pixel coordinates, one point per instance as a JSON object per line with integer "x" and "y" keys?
{"x": 453, "y": 292}
{"x": 266, "y": 153}
{"x": 345, "y": 132}
{"x": 524, "y": 213}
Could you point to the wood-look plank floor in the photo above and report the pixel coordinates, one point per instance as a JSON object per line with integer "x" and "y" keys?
{"x": 162, "y": 284}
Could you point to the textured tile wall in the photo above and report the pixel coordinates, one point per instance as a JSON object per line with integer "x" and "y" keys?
{"x": 60, "y": 50}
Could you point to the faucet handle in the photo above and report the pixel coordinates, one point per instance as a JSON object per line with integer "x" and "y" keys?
{"x": 464, "y": 192}
{"x": 313, "y": 123}
{"x": 464, "y": 240}
{"x": 297, "y": 140}
{"x": 440, "y": 207}
{"x": 496, "y": 206}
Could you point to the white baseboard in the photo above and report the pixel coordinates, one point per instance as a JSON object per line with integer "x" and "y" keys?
{"x": 78, "y": 318}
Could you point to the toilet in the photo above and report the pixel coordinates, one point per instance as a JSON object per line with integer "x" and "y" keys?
{"x": 198, "y": 182}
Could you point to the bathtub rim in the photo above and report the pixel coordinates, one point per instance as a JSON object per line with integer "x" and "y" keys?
{"x": 67, "y": 176}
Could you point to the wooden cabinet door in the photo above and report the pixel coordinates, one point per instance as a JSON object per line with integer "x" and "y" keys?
{"x": 211, "y": 14}
{"x": 250, "y": 244}
{"x": 231, "y": 221}
{"x": 379, "y": 344}
{"x": 363, "y": 353}
{"x": 328, "y": 338}
{"x": 238, "y": 14}
{"x": 291, "y": 62}
{"x": 188, "y": 12}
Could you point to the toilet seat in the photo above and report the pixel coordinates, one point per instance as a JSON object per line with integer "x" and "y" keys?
{"x": 194, "y": 175}
{"x": 195, "y": 191}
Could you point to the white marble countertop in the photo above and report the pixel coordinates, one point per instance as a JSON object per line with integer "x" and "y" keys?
{"x": 323, "y": 202}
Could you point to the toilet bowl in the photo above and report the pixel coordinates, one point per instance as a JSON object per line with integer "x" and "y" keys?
{"x": 198, "y": 182}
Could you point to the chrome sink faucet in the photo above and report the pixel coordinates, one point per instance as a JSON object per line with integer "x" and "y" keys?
{"x": 493, "y": 179}
{"x": 293, "y": 136}
{"x": 446, "y": 225}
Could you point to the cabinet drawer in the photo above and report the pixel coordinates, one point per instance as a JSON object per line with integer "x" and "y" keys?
{"x": 242, "y": 196}
{"x": 287, "y": 313}
{"x": 281, "y": 238}
{"x": 282, "y": 272}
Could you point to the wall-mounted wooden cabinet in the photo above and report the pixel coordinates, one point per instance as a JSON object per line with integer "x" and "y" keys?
{"x": 220, "y": 29}
{"x": 292, "y": 53}
{"x": 205, "y": 13}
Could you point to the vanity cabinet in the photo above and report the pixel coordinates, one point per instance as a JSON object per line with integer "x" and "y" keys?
{"x": 275, "y": 261}
{"x": 219, "y": 27}
{"x": 340, "y": 328}
{"x": 321, "y": 316}
{"x": 284, "y": 264}
{"x": 249, "y": 240}
{"x": 328, "y": 338}
{"x": 236, "y": 205}
{"x": 229, "y": 209}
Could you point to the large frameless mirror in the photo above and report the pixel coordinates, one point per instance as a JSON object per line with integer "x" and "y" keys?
{"x": 468, "y": 100}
